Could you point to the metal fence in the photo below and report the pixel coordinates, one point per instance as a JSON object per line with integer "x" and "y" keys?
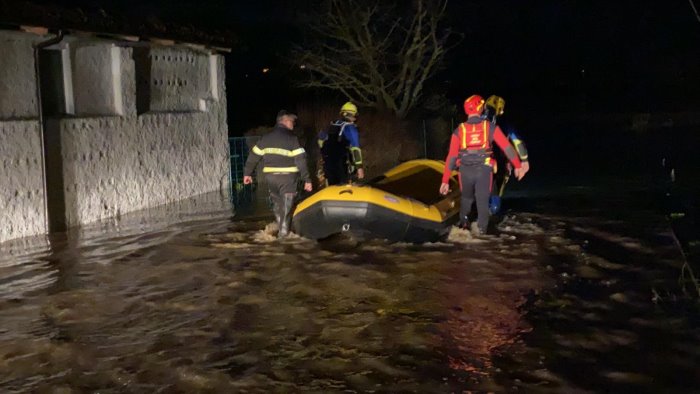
{"x": 239, "y": 148}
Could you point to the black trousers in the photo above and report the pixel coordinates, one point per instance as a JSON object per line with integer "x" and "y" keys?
{"x": 280, "y": 185}
{"x": 476, "y": 181}
{"x": 336, "y": 172}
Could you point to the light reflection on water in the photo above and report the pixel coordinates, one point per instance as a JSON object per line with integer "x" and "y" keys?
{"x": 193, "y": 300}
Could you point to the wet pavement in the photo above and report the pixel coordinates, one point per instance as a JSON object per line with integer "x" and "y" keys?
{"x": 569, "y": 296}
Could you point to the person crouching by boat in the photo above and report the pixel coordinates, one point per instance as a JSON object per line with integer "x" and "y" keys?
{"x": 284, "y": 162}
{"x": 340, "y": 148}
{"x": 471, "y": 153}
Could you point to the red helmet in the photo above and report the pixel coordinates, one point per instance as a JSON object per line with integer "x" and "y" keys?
{"x": 474, "y": 105}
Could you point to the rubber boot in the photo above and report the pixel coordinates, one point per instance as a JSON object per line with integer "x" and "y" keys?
{"x": 464, "y": 208}
{"x": 463, "y": 223}
{"x": 477, "y": 231}
{"x": 287, "y": 211}
{"x": 277, "y": 206}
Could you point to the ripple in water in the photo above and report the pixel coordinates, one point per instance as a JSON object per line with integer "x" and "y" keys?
{"x": 213, "y": 304}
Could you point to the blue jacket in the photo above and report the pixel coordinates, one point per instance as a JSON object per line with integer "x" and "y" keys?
{"x": 339, "y": 139}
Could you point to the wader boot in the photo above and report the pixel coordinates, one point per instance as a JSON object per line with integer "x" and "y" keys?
{"x": 287, "y": 211}
{"x": 277, "y": 209}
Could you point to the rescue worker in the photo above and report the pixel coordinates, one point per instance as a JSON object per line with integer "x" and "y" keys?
{"x": 471, "y": 153}
{"x": 340, "y": 148}
{"x": 494, "y": 108}
{"x": 284, "y": 162}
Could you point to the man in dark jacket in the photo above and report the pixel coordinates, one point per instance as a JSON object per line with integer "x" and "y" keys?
{"x": 284, "y": 162}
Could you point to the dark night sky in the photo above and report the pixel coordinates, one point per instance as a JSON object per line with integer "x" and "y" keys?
{"x": 564, "y": 55}
{"x": 632, "y": 52}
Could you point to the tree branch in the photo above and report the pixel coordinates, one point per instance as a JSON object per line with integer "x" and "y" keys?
{"x": 695, "y": 10}
{"x": 374, "y": 56}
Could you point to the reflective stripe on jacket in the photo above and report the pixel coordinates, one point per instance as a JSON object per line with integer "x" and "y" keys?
{"x": 280, "y": 152}
{"x": 475, "y": 127}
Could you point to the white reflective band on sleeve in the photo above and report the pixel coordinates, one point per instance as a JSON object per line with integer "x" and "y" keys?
{"x": 278, "y": 151}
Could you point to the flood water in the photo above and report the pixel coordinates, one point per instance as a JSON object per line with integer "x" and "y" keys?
{"x": 564, "y": 298}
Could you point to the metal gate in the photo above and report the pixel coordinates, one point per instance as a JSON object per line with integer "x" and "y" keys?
{"x": 239, "y": 148}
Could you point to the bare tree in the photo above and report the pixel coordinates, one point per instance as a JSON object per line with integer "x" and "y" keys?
{"x": 373, "y": 55}
{"x": 695, "y": 10}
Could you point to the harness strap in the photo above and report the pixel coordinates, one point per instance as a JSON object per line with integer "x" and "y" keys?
{"x": 485, "y": 136}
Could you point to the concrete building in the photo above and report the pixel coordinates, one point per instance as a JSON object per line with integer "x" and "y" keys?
{"x": 92, "y": 128}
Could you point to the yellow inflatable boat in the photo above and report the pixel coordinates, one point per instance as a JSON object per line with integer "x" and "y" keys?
{"x": 401, "y": 205}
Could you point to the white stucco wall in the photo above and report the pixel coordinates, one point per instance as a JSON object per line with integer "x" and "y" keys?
{"x": 22, "y": 211}
{"x": 96, "y": 69}
{"x": 21, "y": 183}
{"x": 17, "y": 82}
{"x": 118, "y": 164}
{"x": 179, "y": 80}
{"x": 114, "y": 158}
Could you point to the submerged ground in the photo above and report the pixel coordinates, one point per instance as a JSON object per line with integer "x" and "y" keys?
{"x": 577, "y": 292}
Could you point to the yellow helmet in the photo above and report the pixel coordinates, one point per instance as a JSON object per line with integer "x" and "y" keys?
{"x": 348, "y": 108}
{"x": 497, "y": 103}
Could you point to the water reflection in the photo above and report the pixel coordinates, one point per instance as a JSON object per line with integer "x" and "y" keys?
{"x": 193, "y": 300}
{"x": 24, "y": 267}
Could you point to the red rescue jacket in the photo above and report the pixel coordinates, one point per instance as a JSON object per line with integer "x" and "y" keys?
{"x": 472, "y": 143}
